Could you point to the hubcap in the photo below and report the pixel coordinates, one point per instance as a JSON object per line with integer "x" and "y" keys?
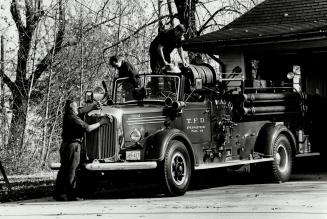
{"x": 282, "y": 158}
{"x": 178, "y": 170}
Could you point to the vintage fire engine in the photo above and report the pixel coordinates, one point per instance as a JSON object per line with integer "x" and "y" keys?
{"x": 178, "y": 123}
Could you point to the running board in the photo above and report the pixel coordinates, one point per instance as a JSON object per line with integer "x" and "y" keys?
{"x": 308, "y": 154}
{"x": 231, "y": 163}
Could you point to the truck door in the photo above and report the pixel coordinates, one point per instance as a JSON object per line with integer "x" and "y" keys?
{"x": 196, "y": 120}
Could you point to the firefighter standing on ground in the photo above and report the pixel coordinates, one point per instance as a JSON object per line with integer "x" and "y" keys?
{"x": 72, "y": 137}
{"x": 162, "y": 46}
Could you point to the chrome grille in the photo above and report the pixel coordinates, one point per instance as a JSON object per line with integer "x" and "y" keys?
{"x": 100, "y": 143}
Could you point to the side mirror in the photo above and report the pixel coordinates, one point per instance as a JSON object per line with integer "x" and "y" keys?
{"x": 88, "y": 97}
{"x": 198, "y": 83}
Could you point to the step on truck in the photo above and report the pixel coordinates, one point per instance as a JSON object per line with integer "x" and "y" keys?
{"x": 194, "y": 119}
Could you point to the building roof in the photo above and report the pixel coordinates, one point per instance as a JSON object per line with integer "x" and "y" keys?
{"x": 272, "y": 20}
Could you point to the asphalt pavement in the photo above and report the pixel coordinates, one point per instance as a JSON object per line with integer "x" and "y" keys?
{"x": 231, "y": 194}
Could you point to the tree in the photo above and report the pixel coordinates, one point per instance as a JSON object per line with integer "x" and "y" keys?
{"x": 24, "y": 81}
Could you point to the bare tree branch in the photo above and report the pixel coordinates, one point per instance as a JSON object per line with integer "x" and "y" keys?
{"x": 201, "y": 3}
{"x": 135, "y": 32}
{"x": 210, "y": 18}
{"x": 43, "y": 65}
{"x": 7, "y": 80}
{"x": 17, "y": 18}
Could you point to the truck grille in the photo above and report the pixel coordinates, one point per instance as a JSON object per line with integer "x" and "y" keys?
{"x": 100, "y": 143}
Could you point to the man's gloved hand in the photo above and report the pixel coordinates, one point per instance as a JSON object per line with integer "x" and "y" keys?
{"x": 106, "y": 119}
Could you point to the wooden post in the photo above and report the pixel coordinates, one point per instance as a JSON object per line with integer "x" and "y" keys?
{"x": 5, "y": 177}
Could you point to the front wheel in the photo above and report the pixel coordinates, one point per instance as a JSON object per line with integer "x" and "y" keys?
{"x": 281, "y": 166}
{"x": 176, "y": 169}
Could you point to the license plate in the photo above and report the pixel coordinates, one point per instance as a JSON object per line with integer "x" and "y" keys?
{"x": 133, "y": 155}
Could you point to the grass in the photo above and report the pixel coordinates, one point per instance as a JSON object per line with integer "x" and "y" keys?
{"x": 27, "y": 186}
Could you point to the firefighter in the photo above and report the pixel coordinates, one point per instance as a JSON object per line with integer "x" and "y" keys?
{"x": 72, "y": 137}
{"x": 125, "y": 69}
{"x": 162, "y": 46}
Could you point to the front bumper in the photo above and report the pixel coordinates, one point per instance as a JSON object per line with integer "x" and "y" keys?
{"x": 96, "y": 166}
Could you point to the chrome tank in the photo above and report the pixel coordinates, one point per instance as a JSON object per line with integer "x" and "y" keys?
{"x": 203, "y": 71}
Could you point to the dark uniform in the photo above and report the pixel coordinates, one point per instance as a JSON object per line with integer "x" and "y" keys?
{"x": 169, "y": 42}
{"x": 70, "y": 151}
{"x": 127, "y": 70}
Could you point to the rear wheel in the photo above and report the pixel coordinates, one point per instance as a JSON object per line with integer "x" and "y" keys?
{"x": 281, "y": 167}
{"x": 176, "y": 169}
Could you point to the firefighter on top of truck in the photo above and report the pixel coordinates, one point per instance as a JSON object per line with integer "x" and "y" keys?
{"x": 125, "y": 69}
{"x": 72, "y": 137}
{"x": 162, "y": 46}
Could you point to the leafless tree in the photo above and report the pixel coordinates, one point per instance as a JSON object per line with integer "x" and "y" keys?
{"x": 22, "y": 84}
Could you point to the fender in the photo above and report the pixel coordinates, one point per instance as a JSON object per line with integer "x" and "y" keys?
{"x": 268, "y": 134}
{"x": 156, "y": 146}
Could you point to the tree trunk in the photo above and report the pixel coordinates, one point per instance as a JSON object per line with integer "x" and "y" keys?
{"x": 46, "y": 118}
{"x": 23, "y": 85}
{"x": 186, "y": 16}
{"x": 18, "y": 125}
{"x": 51, "y": 133}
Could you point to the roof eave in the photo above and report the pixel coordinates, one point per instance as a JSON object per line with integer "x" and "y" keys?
{"x": 253, "y": 41}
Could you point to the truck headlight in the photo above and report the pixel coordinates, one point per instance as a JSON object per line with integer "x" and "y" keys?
{"x": 136, "y": 135}
{"x": 98, "y": 93}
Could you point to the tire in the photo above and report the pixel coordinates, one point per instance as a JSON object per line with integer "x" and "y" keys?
{"x": 281, "y": 166}
{"x": 176, "y": 169}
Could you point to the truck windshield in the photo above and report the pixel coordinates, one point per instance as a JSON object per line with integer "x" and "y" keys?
{"x": 156, "y": 88}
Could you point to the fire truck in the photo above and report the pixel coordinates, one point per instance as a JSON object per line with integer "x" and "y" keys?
{"x": 194, "y": 119}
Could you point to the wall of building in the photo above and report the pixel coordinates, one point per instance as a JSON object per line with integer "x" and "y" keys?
{"x": 233, "y": 58}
